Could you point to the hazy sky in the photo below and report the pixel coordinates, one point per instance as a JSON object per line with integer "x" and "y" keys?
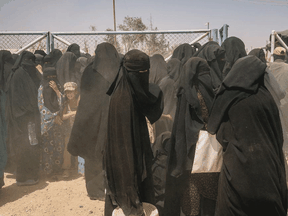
{"x": 250, "y": 20}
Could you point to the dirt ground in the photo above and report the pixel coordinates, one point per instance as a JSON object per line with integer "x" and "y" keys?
{"x": 64, "y": 197}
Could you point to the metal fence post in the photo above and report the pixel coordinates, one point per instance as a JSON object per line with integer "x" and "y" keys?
{"x": 225, "y": 31}
{"x": 214, "y": 33}
{"x": 52, "y": 41}
{"x": 272, "y": 45}
{"x": 48, "y": 43}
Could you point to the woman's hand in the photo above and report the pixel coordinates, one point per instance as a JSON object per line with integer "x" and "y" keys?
{"x": 53, "y": 85}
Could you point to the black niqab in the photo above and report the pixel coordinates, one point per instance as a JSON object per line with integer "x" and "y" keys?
{"x": 169, "y": 86}
{"x": 65, "y": 68}
{"x": 241, "y": 82}
{"x": 52, "y": 58}
{"x": 49, "y": 95}
{"x": 212, "y": 53}
{"x": 27, "y": 62}
{"x": 41, "y": 52}
{"x": 259, "y": 53}
{"x": 74, "y": 48}
{"x": 234, "y": 49}
{"x": 39, "y": 59}
{"x": 183, "y": 52}
{"x": 6, "y": 63}
{"x": 158, "y": 69}
{"x": 128, "y": 155}
{"x": 106, "y": 60}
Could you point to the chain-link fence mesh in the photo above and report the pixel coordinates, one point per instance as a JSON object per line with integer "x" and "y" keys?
{"x": 13, "y": 43}
{"x": 151, "y": 44}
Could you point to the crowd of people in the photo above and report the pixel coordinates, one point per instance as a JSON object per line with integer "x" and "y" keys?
{"x": 205, "y": 133}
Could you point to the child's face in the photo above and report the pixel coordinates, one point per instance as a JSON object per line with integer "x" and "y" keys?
{"x": 70, "y": 95}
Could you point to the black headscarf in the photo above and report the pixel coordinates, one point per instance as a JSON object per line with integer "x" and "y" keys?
{"x": 27, "y": 61}
{"x": 65, "y": 68}
{"x": 128, "y": 154}
{"x": 39, "y": 59}
{"x": 183, "y": 52}
{"x": 195, "y": 94}
{"x": 6, "y": 63}
{"x": 213, "y": 54}
{"x": 259, "y": 53}
{"x": 106, "y": 59}
{"x": 49, "y": 95}
{"x": 15, "y": 56}
{"x": 158, "y": 69}
{"x": 169, "y": 86}
{"x": 41, "y": 52}
{"x": 235, "y": 49}
{"x": 74, "y": 48}
{"x": 52, "y": 58}
{"x": 240, "y": 83}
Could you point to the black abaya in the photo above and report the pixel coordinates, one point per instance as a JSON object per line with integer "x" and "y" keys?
{"x": 89, "y": 132}
{"x": 128, "y": 155}
{"x": 246, "y": 119}
{"x": 22, "y": 98}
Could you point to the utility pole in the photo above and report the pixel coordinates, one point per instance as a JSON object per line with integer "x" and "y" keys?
{"x": 114, "y": 23}
{"x": 114, "y": 15}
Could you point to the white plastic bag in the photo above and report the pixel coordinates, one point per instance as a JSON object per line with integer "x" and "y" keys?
{"x": 208, "y": 154}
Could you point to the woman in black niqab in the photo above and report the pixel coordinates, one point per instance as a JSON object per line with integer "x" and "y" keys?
{"x": 74, "y": 48}
{"x": 24, "y": 114}
{"x": 259, "y": 53}
{"x": 52, "y": 58}
{"x": 215, "y": 56}
{"x": 245, "y": 119}
{"x": 128, "y": 155}
{"x": 49, "y": 95}
{"x": 234, "y": 49}
{"x": 169, "y": 86}
{"x": 6, "y": 64}
{"x": 183, "y": 52}
{"x": 195, "y": 97}
{"x": 65, "y": 68}
{"x": 158, "y": 69}
{"x": 40, "y": 52}
{"x": 5, "y": 70}
{"x": 89, "y": 132}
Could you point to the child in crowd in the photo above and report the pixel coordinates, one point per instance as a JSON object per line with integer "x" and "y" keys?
{"x": 69, "y": 111}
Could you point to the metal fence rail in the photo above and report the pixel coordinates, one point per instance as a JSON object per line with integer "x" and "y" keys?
{"x": 275, "y": 36}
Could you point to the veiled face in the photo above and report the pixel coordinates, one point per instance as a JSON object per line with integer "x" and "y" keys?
{"x": 76, "y": 51}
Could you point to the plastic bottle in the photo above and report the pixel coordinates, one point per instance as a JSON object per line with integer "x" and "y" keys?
{"x": 32, "y": 134}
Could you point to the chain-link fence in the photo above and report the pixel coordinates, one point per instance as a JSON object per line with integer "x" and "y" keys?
{"x": 151, "y": 42}
{"x": 16, "y": 42}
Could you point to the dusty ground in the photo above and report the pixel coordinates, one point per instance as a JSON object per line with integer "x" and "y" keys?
{"x": 64, "y": 197}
